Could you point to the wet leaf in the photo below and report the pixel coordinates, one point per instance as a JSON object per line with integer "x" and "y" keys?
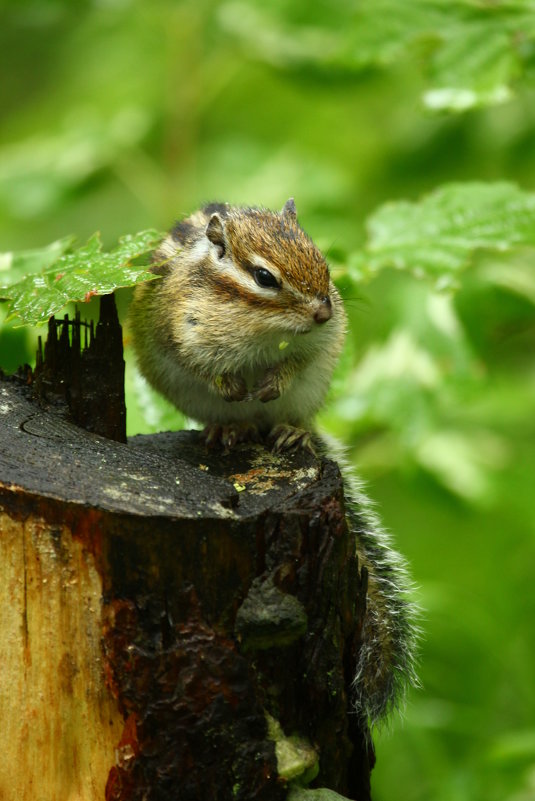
{"x": 76, "y": 275}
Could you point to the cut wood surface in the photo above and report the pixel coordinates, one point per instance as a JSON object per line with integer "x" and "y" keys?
{"x": 173, "y": 620}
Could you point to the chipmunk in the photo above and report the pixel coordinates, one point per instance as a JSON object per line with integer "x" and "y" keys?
{"x": 242, "y": 332}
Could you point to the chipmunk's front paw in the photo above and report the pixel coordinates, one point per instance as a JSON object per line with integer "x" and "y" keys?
{"x": 268, "y": 388}
{"x": 227, "y": 436}
{"x": 284, "y": 437}
{"x": 231, "y": 386}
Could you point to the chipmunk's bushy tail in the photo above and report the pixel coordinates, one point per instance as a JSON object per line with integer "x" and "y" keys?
{"x": 386, "y": 665}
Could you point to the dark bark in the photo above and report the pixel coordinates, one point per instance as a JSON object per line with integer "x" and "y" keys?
{"x": 85, "y": 373}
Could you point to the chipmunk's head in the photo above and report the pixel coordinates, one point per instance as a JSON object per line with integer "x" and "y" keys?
{"x": 263, "y": 261}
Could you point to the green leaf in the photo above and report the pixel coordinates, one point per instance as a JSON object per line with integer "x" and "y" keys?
{"x": 76, "y": 276}
{"x": 438, "y": 236}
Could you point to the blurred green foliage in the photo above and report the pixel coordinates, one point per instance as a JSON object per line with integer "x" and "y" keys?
{"x": 121, "y": 115}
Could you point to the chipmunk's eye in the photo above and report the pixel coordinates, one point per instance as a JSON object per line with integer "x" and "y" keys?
{"x": 264, "y": 278}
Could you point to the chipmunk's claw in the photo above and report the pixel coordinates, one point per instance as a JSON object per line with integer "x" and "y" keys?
{"x": 284, "y": 437}
{"x": 227, "y": 436}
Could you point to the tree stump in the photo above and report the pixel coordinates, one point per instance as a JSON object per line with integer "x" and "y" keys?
{"x": 175, "y": 623}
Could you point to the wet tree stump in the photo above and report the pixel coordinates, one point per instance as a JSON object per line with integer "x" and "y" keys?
{"x": 174, "y": 623}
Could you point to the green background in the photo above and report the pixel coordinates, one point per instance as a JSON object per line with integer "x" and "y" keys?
{"x": 120, "y": 115}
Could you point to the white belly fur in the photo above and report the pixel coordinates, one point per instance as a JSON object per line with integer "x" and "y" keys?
{"x": 197, "y": 400}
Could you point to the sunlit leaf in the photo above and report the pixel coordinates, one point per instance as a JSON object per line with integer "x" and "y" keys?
{"x": 392, "y": 384}
{"x": 463, "y": 460}
{"x": 78, "y": 276}
{"x": 514, "y": 274}
{"x": 514, "y": 745}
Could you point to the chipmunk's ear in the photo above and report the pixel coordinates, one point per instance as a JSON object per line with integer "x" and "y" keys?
{"x": 289, "y": 210}
{"x": 215, "y": 232}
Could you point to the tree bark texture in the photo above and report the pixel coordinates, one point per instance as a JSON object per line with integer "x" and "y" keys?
{"x": 173, "y": 621}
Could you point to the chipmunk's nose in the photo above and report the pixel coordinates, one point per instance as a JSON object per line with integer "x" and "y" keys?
{"x": 324, "y": 311}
